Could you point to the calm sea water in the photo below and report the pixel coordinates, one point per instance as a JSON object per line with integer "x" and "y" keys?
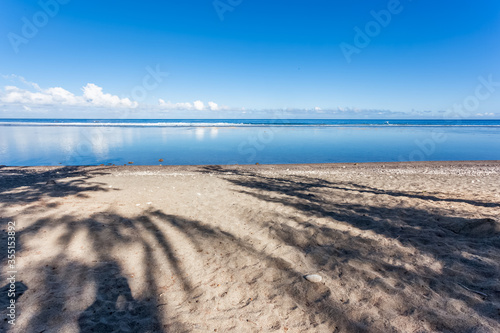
{"x": 27, "y": 142}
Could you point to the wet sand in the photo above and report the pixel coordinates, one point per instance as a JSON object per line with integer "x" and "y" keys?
{"x": 400, "y": 247}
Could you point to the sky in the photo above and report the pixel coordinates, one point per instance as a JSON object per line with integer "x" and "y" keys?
{"x": 249, "y": 59}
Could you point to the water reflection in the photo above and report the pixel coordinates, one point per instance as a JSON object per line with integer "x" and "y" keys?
{"x": 51, "y": 145}
{"x": 200, "y": 133}
{"x": 213, "y": 132}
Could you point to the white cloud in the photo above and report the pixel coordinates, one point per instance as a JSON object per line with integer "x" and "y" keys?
{"x": 176, "y": 106}
{"x": 213, "y": 106}
{"x": 62, "y": 96}
{"x": 196, "y": 105}
{"x": 31, "y": 96}
{"x": 92, "y": 96}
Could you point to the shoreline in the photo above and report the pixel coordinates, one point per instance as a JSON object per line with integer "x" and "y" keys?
{"x": 297, "y": 165}
{"x": 400, "y": 246}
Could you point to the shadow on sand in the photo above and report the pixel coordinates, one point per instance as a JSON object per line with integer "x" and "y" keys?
{"x": 339, "y": 255}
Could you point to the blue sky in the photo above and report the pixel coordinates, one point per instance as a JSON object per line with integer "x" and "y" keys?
{"x": 249, "y": 58}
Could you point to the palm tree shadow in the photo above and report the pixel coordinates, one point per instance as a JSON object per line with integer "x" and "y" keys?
{"x": 25, "y": 185}
{"x": 314, "y": 299}
{"x": 437, "y": 234}
{"x": 115, "y": 310}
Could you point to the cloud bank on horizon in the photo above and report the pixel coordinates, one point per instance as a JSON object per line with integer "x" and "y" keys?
{"x": 92, "y": 96}
{"x": 32, "y": 100}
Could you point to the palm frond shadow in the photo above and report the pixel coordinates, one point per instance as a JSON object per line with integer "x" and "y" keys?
{"x": 114, "y": 309}
{"x": 437, "y": 234}
{"x": 25, "y": 185}
{"x": 114, "y": 306}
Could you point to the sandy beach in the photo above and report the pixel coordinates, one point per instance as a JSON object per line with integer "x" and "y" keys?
{"x": 399, "y": 247}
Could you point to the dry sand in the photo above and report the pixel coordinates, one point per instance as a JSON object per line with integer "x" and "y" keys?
{"x": 400, "y": 247}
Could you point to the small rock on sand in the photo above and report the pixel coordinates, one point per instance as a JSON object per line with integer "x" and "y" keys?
{"x": 313, "y": 278}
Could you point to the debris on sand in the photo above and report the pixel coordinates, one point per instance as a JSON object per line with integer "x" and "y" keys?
{"x": 313, "y": 278}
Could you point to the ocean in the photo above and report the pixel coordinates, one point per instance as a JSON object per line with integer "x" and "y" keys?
{"x": 31, "y": 142}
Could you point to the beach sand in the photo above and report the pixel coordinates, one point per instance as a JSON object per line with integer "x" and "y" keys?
{"x": 400, "y": 247}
